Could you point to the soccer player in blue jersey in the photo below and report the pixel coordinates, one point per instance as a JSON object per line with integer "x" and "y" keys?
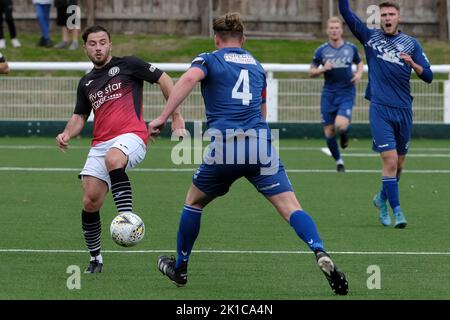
{"x": 391, "y": 56}
{"x": 338, "y": 96}
{"x": 233, "y": 86}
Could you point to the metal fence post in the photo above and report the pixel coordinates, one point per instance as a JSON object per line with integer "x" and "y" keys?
{"x": 447, "y": 102}
{"x": 272, "y": 99}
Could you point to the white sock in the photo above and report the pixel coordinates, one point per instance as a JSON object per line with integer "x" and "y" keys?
{"x": 99, "y": 258}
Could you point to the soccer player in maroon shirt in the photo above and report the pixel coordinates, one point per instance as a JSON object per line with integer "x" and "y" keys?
{"x": 113, "y": 90}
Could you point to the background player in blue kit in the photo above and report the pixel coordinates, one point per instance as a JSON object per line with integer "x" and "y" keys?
{"x": 391, "y": 57}
{"x": 233, "y": 86}
{"x": 338, "y": 96}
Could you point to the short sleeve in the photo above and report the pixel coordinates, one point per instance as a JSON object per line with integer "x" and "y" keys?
{"x": 201, "y": 61}
{"x": 356, "y": 56}
{"x": 143, "y": 70}
{"x": 83, "y": 105}
{"x": 317, "y": 59}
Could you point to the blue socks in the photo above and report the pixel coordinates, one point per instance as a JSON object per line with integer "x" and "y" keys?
{"x": 383, "y": 194}
{"x": 187, "y": 233}
{"x": 390, "y": 192}
{"x": 306, "y": 229}
{"x": 334, "y": 148}
{"x": 189, "y": 229}
{"x": 347, "y": 130}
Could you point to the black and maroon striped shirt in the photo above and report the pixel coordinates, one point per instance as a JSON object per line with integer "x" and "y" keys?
{"x": 115, "y": 94}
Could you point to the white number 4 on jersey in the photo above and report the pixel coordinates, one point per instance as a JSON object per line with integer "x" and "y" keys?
{"x": 245, "y": 94}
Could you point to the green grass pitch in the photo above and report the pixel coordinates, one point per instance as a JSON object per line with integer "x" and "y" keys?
{"x": 244, "y": 250}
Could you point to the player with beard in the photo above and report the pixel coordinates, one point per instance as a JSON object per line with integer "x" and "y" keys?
{"x": 113, "y": 90}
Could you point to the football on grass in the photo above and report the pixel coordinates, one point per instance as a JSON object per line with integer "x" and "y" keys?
{"x": 127, "y": 229}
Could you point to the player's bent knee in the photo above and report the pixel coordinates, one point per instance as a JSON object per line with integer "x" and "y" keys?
{"x": 329, "y": 132}
{"x": 342, "y": 128}
{"x": 115, "y": 159}
{"x": 391, "y": 163}
{"x": 197, "y": 198}
{"x": 92, "y": 204}
{"x": 342, "y": 124}
{"x": 286, "y": 203}
{"x": 114, "y": 163}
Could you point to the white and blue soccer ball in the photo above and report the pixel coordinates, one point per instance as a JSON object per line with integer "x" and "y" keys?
{"x": 127, "y": 229}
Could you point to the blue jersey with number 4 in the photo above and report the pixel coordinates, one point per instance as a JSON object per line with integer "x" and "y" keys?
{"x": 233, "y": 89}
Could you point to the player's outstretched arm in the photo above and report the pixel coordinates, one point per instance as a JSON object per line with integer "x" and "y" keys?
{"x": 166, "y": 84}
{"x": 180, "y": 91}
{"x": 72, "y": 129}
{"x": 178, "y": 125}
{"x": 358, "y": 28}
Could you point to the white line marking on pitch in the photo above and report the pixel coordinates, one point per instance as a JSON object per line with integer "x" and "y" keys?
{"x": 25, "y": 147}
{"x": 405, "y": 253}
{"x": 23, "y": 169}
{"x": 327, "y": 152}
{"x": 410, "y": 155}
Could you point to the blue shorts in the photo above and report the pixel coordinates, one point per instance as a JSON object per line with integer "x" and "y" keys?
{"x": 333, "y": 104}
{"x": 215, "y": 180}
{"x": 391, "y": 128}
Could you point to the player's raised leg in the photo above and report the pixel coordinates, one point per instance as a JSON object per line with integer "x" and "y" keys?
{"x": 127, "y": 151}
{"x": 94, "y": 191}
{"x": 121, "y": 191}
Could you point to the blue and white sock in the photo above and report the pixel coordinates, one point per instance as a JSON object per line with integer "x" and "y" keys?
{"x": 390, "y": 187}
{"x": 306, "y": 229}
